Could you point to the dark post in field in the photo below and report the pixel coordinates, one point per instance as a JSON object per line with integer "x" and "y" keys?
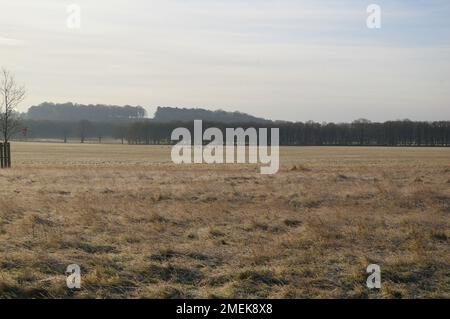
{"x": 5, "y": 155}
{"x": 1, "y": 155}
{"x": 8, "y": 154}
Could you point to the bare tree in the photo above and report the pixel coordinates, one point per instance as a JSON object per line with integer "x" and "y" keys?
{"x": 11, "y": 95}
{"x": 85, "y": 128}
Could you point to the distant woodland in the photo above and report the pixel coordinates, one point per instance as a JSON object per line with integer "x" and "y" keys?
{"x": 77, "y": 112}
{"x": 130, "y": 125}
{"x": 170, "y": 114}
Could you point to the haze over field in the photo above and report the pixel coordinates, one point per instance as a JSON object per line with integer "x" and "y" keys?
{"x": 287, "y": 60}
{"x": 225, "y": 149}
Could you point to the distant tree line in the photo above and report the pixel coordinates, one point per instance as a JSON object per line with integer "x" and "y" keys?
{"x": 175, "y": 114}
{"x": 145, "y": 131}
{"x": 77, "y": 112}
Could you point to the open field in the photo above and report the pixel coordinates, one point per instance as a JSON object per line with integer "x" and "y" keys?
{"x": 140, "y": 226}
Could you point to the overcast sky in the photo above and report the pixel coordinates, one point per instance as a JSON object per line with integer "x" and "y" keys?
{"x": 279, "y": 59}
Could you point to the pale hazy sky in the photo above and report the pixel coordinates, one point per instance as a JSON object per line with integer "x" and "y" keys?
{"x": 279, "y": 59}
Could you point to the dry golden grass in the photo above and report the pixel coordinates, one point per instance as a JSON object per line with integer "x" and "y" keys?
{"x": 140, "y": 226}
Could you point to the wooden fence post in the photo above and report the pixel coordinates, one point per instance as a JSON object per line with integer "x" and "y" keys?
{"x": 1, "y": 155}
{"x": 8, "y": 155}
